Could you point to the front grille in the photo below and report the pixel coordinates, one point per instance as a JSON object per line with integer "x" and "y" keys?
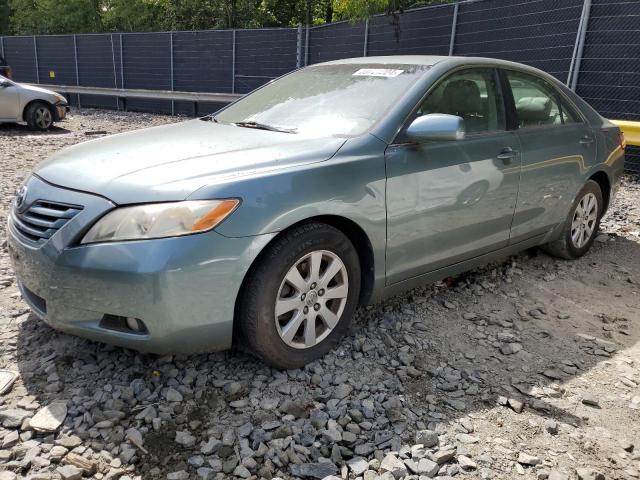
{"x": 42, "y": 219}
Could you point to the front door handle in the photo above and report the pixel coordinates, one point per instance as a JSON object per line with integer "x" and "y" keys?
{"x": 586, "y": 140}
{"x": 507, "y": 155}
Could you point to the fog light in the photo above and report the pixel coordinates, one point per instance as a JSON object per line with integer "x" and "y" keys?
{"x": 135, "y": 324}
{"x": 123, "y": 324}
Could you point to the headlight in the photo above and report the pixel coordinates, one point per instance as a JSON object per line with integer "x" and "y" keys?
{"x": 158, "y": 220}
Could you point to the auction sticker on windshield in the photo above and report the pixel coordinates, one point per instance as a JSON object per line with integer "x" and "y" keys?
{"x": 377, "y": 72}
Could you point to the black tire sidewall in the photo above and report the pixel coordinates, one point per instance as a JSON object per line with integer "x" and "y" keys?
{"x": 256, "y": 311}
{"x": 589, "y": 187}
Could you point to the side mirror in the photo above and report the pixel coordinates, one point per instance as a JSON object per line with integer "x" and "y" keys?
{"x": 4, "y": 84}
{"x": 436, "y": 127}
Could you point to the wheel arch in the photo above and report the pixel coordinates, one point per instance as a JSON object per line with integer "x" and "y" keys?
{"x": 37, "y": 100}
{"x": 354, "y": 233}
{"x": 604, "y": 182}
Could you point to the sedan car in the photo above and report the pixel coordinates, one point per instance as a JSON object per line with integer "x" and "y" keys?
{"x": 39, "y": 107}
{"x": 269, "y": 222}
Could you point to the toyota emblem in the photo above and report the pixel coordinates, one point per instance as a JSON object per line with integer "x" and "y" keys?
{"x": 20, "y": 197}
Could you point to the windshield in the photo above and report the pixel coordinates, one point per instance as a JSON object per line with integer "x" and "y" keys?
{"x": 325, "y": 100}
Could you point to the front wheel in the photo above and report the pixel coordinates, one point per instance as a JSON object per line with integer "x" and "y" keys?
{"x": 39, "y": 116}
{"x": 298, "y": 301}
{"x": 581, "y": 227}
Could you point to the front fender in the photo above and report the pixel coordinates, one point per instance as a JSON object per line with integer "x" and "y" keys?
{"x": 350, "y": 185}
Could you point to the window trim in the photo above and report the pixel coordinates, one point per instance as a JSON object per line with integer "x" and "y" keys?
{"x": 560, "y": 98}
{"x": 499, "y": 91}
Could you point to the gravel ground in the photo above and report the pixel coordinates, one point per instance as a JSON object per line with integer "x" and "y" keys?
{"x": 523, "y": 369}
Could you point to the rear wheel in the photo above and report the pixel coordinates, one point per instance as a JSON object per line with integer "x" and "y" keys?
{"x": 581, "y": 227}
{"x": 298, "y": 301}
{"x": 39, "y": 116}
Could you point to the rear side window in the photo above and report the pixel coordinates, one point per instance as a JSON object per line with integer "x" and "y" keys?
{"x": 537, "y": 102}
{"x": 471, "y": 94}
{"x": 569, "y": 115}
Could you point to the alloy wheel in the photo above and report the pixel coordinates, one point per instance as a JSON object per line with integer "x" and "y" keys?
{"x": 311, "y": 299}
{"x": 584, "y": 220}
{"x": 43, "y": 117}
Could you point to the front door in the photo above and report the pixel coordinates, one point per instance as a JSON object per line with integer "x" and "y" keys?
{"x": 9, "y": 100}
{"x": 450, "y": 201}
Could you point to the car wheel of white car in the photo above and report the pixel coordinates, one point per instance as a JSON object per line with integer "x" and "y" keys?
{"x": 39, "y": 116}
{"x": 297, "y": 302}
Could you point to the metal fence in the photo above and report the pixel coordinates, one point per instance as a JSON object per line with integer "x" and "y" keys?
{"x": 592, "y": 45}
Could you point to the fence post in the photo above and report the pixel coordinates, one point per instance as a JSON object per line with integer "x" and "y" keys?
{"x": 574, "y": 70}
{"x": 299, "y": 47}
{"x": 306, "y": 47}
{"x": 454, "y": 27}
{"x": 173, "y": 103}
{"x": 75, "y": 59}
{"x": 35, "y": 53}
{"x": 366, "y": 37}
{"x": 124, "y": 100}
{"x": 2, "y": 46}
{"x": 115, "y": 75}
{"x": 233, "y": 64}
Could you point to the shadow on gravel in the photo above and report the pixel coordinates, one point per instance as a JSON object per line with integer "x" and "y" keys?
{"x": 21, "y": 130}
{"x": 513, "y": 333}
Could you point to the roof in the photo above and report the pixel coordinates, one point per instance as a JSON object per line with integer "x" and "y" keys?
{"x": 428, "y": 60}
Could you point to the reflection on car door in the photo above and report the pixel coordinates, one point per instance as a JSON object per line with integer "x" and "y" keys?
{"x": 449, "y": 201}
{"x": 557, "y": 147}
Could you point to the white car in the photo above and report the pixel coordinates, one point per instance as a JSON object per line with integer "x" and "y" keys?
{"x": 39, "y": 107}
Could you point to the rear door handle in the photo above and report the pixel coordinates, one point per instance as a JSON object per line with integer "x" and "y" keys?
{"x": 507, "y": 155}
{"x": 586, "y": 140}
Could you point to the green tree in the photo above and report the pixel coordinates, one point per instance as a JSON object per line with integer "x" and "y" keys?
{"x": 356, "y": 10}
{"x": 4, "y": 17}
{"x": 54, "y": 16}
{"x": 134, "y": 15}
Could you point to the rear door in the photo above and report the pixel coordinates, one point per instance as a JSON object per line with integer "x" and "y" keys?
{"x": 448, "y": 201}
{"x": 557, "y": 147}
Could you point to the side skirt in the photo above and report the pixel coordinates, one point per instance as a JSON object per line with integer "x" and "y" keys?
{"x": 464, "y": 266}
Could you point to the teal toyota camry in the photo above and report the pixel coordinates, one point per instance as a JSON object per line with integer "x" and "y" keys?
{"x": 269, "y": 222}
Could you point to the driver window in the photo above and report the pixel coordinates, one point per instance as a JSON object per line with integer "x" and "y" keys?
{"x": 472, "y": 95}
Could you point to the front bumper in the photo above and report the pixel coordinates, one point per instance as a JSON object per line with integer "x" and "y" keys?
{"x": 182, "y": 288}
{"x": 61, "y": 112}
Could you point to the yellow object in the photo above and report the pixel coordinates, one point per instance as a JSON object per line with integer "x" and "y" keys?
{"x": 631, "y": 131}
{"x": 52, "y": 74}
{"x": 215, "y": 216}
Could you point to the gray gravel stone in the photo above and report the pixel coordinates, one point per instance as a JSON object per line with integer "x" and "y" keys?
{"x": 314, "y": 470}
{"x": 428, "y": 438}
{"x": 69, "y": 472}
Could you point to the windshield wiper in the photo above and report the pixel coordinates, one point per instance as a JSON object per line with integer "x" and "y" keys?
{"x": 263, "y": 126}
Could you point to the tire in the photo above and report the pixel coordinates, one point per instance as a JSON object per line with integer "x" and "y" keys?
{"x": 276, "y": 339}
{"x": 566, "y": 246}
{"x": 39, "y": 116}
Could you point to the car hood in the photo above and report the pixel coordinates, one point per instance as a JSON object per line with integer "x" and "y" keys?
{"x": 32, "y": 89}
{"x": 171, "y": 162}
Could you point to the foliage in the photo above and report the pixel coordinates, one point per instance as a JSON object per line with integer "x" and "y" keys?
{"x": 4, "y": 17}
{"x": 54, "y": 16}
{"x": 79, "y": 16}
